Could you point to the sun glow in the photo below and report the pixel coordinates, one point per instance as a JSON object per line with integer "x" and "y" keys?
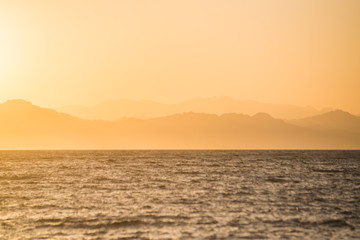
{"x": 8, "y": 55}
{"x": 258, "y": 50}
{"x": 4, "y": 56}
{"x": 2, "y": 53}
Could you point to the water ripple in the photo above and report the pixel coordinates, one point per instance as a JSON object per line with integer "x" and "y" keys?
{"x": 179, "y": 194}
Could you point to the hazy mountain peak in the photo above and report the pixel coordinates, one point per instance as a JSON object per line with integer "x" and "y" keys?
{"x": 339, "y": 112}
{"x": 17, "y": 103}
{"x": 262, "y": 115}
{"x": 336, "y": 114}
{"x": 116, "y": 109}
{"x": 337, "y": 119}
{"x": 20, "y": 110}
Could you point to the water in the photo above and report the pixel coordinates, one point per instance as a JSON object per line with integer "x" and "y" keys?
{"x": 179, "y": 194}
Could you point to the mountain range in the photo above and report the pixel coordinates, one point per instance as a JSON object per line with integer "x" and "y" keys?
{"x": 115, "y": 109}
{"x": 26, "y": 126}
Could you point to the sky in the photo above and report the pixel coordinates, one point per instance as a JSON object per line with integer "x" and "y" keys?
{"x": 300, "y": 52}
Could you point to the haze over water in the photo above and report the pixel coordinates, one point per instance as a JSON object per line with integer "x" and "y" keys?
{"x": 185, "y": 74}
{"x": 179, "y": 194}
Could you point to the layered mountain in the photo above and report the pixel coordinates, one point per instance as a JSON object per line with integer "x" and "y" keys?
{"x": 26, "y": 126}
{"x": 112, "y": 110}
{"x": 336, "y": 121}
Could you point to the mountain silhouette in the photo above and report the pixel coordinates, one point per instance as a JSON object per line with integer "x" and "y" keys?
{"x": 337, "y": 120}
{"x": 115, "y": 109}
{"x": 26, "y": 126}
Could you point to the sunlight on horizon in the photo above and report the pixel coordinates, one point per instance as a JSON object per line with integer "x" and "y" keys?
{"x": 179, "y": 119}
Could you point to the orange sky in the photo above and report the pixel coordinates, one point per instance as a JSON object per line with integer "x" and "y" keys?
{"x": 62, "y": 52}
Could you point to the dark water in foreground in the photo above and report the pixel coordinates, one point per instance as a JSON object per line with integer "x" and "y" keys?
{"x": 180, "y": 195}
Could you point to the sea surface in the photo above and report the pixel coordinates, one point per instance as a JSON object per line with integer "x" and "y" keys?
{"x": 179, "y": 195}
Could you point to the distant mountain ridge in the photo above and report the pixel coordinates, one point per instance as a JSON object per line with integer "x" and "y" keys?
{"x": 26, "y": 126}
{"x": 112, "y": 110}
{"x": 334, "y": 120}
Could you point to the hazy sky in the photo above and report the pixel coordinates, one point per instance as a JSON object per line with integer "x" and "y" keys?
{"x": 300, "y": 52}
